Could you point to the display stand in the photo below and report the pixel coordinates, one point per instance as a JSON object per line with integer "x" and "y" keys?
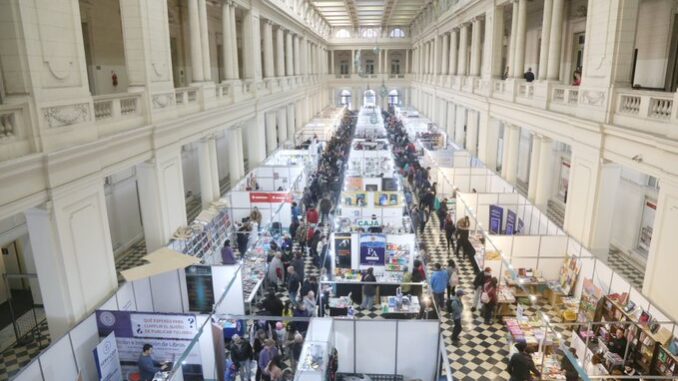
{"x": 315, "y": 354}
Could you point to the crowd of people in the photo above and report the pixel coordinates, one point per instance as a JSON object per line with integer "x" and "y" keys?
{"x": 273, "y": 343}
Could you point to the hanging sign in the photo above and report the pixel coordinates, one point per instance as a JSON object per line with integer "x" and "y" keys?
{"x": 496, "y": 219}
{"x": 511, "y": 218}
{"x": 372, "y": 249}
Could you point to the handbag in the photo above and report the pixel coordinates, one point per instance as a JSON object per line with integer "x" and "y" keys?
{"x": 484, "y": 297}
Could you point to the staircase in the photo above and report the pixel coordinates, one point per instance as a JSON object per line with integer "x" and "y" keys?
{"x": 555, "y": 211}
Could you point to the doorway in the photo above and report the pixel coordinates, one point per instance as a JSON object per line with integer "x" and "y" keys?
{"x": 578, "y": 50}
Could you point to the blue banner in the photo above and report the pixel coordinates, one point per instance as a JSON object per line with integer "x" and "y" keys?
{"x": 511, "y": 218}
{"x": 373, "y": 249}
{"x": 496, "y": 219}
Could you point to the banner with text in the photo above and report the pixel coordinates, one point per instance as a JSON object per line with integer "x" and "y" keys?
{"x": 107, "y": 360}
{"x": 511, "y": 218}
{"x": 372, "y": 249}
{"x": 496, "y": 219}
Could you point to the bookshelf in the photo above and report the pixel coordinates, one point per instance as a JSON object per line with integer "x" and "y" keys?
{"x": 666, "y": 363}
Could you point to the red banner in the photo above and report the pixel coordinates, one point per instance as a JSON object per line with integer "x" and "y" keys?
{"x": 261, "y": 197}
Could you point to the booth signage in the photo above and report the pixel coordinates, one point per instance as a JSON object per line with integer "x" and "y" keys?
{"x": 511, "y": 222}
{"x": 372, "y": 249}
{"x": 496, "y": 219}
{"x": 107, "y": 360}
{"x": 342, "y": 248}
{"x": 262, "y": 197}
{"x": 368, "y": 223}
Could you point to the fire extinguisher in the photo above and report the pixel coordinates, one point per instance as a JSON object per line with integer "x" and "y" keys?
{"x": 114, "y": 79}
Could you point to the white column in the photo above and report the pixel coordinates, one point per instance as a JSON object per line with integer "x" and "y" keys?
{"x": 282, "y": 124}
{"x": 289, "y": 55}
{"x": 609, "y": 177}
{"x": 407, "y": 61}
{"x": 227, "y": 50}
{"x": 271, "y": 133}
{"x": 488, "y": 136}
{"x": 445, "y": 55}
{"x": 71, "y": 243}
{"x": 206, "y": 167}
{"x": 545, "y": 39}
{"x": 235, "y": 66}
{"x": 255, "y": 136}
{"x": 214, "y": 161}
{"x": 251, "y": 45}
{"x": 534, "y": 180}
{"x": 459, "y": 133}
{"x": 451, "y": 120}
{"x": 472, "y": 132}
{"x": 519, "y": 67}
{"x": 511, "y": 144}
{"x": 269, "y": 68}
{"x": 475, "y": 47}
{"x": 544, "y": 189}
{"x": 197, "y": 69}
{"x": 297, "y": 57}
{"x": 514, "y": 33}
{"x": 454, "y": 47}
{"x": 493, "y": 45}
{"x": 280, "y": 52}
{"x": 353, "y": 67}
{"x": 463, "y": 50}
{"x": 236, "y": 168}
{"x": 204, "y": 41}
{"x": 553, "y": 65}
{"x": 387, "y": 66}
{"x": 291, "y": 128}
{"x": 331, "y": 61}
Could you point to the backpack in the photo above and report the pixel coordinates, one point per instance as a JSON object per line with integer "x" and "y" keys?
{"x": 484, "y": 297}
{"x": 454, "y": 279}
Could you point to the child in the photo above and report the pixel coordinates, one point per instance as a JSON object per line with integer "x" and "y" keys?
{"x": 280, "y": 334}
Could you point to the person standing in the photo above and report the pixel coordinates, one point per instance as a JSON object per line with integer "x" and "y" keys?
{"x": 529, "y": 75}
{"x": 148, "y": 367}
{"x": 369, "y": 291}
{"x": 241, "y": 354}
{"x": 227, "y": 256}
{"x": 449, "y": 232}
{"x": 312, "y": 216}
{"x": 463, "y": 226}
{"x": 489, "y": 299}
{"x": 521, "y": 366}
{"x": 456, "y": 309}
{"x": 439, "y": 281}
{"x": 267, "y": 353}
{"x": 325, "y": 209}
{"x": 452, "y": 276}
{"x": 275, "y": 271}
{"x": 298, "y": 264}
{"x": 478, "y": 283}
{"x": 293, "y": 284}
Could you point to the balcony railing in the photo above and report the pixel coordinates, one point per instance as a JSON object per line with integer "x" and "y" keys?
{"x": 9, "y": 118}
{"x": 526, "y": 90}
{"x": 565, "y": 95}
{"x": 656, "y": 106}
{"x": 186, "y": 95}
{"x": 115, "y": 106}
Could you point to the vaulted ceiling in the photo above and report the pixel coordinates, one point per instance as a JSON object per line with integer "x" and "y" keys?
{"x": 357, "y": 13}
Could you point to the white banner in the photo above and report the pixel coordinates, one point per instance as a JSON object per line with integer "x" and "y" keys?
{"x": 107, "y": 359}
{"x": 170, "y": 326}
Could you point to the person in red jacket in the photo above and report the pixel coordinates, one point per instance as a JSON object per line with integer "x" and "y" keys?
{"x": 312, "y": 215}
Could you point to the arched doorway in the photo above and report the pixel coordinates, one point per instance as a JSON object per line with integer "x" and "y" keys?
{"x": 370, "y": 98}
{"x": 394, "y": 98}
{"x": 345, "y": 98}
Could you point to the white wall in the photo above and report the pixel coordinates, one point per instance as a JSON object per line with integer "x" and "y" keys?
{"x": 122, "y": 204}
{"x": 652, "y": 41}
{"x": 628, "y": 212}
{"x": 190, "y": 168}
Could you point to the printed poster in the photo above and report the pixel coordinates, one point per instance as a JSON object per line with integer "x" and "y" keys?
{"x": 372, "y": 249}
{"x": 107, "y": 360}
{"x": 397, "y": 256}
{"x": 496, "y": 219}
{"x": 342, "y": 249}
{"x": 511, "y": 218}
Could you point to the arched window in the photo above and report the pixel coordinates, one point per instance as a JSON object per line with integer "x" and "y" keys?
{"x": 397, "y": 33}
{"x": 369, "y": 33}
{"x": 345, "y": 98}
{"x": 370, "y": 98}
{"x": 343, "y": 33}
{"x": 394, "y": 97}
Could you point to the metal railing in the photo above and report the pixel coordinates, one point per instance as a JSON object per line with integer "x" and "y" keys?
{"x": 27, "y": 325}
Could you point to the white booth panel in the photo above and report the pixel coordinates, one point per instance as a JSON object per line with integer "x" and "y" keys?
{"x": 320, "y": 329}
{"x": 85, "y": 338}
{"x": 479, "y": 183}
{"x": 586, "y": 272}
{"x": 527, "y": 263}
{"x": 602, "y": 277}
{"x": 375, "y": 337}
{"x": 501, "y": 243}
{"x": 553, "y": 246}
{"x": 125, "y": 297}
{"x": 525, "y": 246}
{"x": 639, "y": 299}
{"x": 110, "y": 304}
{"x": 30, "y": 373}
{"x": 166, "y": 288}
{"x": 550, "y": 267}
{"x": 343, "y": 342}
{"x": 58, "y": 363}
{"x": 619, "y": 285}
{"x": 574, "y": 247}
{"x": 511, "y": 199}
{"x": 143, "y": 295}
{"x": 206, "y": 344}
{"x": 420, "y": 363}
{"x": 233, "y": 302}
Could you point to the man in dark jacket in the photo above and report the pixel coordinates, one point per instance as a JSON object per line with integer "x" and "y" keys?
{"x": 293, "y": 284}
{"x": 521, "y": 366}
{"x": 241, "y": 354}
{"x": 369, "y": 291}
{"x": 325, "y": 208}
{"x": 298, "y": 264}
{"x": 272, "y": 304}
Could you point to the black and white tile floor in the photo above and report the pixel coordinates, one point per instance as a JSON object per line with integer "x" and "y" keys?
{"x": 19, "y": 355}
{"x": 626, "y": 269}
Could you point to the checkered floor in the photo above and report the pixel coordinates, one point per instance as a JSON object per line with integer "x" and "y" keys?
{"x": 18, "y": 356}
{"x": 627, "y": 270}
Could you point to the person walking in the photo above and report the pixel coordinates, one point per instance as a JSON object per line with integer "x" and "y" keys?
{"x": 455, "y": 310}
{"x": 293, "y": 284}
{"x": 369, "y": 290}
{"x": 267, "y": 353}
{"x": 452, "y": 276}
{"x": 241, "y": 355}
{"x": 463, "y": 226}
{"x": 439, "y": 281}
{"x": 489, "y": 299}
{"x": 478, "y": 283}
{"x": 442, "y": 213}
{"x": 449, "y": 232}
{"x": 275, "y": 271}
{"x": 325, "y": 209}
{"x": 521, "y": 366}
{"x": 298, "y": 264}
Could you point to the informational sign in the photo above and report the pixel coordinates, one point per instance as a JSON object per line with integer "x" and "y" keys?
{"x": 511, "y": 218}
{"x": 520, "y": 226}
{"x": 646, "y": 224}
{"x": 367, "y": 223}
{"x": 169, "y": 334}
{"x": 496, "y": 219}
{"x": 200, "y": 288}
{"x": 389, "y": 184}
{"x": 342, "y": 249}
{"x": 264, "y": 197}
{"x": 386, "y": 199}
{"x": 107, "y": 360}
{"x": 372, "y": 249}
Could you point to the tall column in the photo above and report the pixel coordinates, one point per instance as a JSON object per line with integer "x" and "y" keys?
{"x": 542, "y": 194}
{"x": 514, "y": 32}
{"x": 255, "y": 136}
{"x": 228, "y": 48}
{"x": 280, "y": 52}
{"x": 269, "y": 68}
{"x": 297, "y": 57}
{"x": 534, "y": 180}
{"x": 460, "y": 126}
{"x": 454, "y": 47}
{"x": 235, "y": 66}
{"x": 545, "y": 39}
{"x": 282, "y": 125}
{"x": 236, "y": 167}
{"x": 197, "y": 68}
{"x": 206, "y": 167}
{"x": 493, "y": 45}
{"x": 407, "y": 61}
{"x": 71, "y": 243}
{"x": 451, "y": 119}
{"x": 445, "y": 55}
{"x": 511, "y": 144}
{"x": 291, "y": 128}
{"x": 251, "y": 45}
{"x": 331, "y": 52}
{"x": 387, "y": 66}
{"x": 488, "y": 137}
{"x": 271, "y": 133}
{"x": 475, "y": 47}
{"x": 289, "y": 55}
{"x": 463, "y": 50}
{"x": 205, "y": 42}
{"x": 214, "y": 160}
{"x": 556, "y": 25}
{"x": 519, "y": 67}
{"x": 352, "y": 64}
{"x": 472, "y": 132}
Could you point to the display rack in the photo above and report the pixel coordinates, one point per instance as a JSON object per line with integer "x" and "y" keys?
{"x": 206, "y": 234}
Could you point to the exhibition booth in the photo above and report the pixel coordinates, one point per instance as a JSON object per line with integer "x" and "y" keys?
{"x": 370, "y": 124}
{"x": 322, "y": 126}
